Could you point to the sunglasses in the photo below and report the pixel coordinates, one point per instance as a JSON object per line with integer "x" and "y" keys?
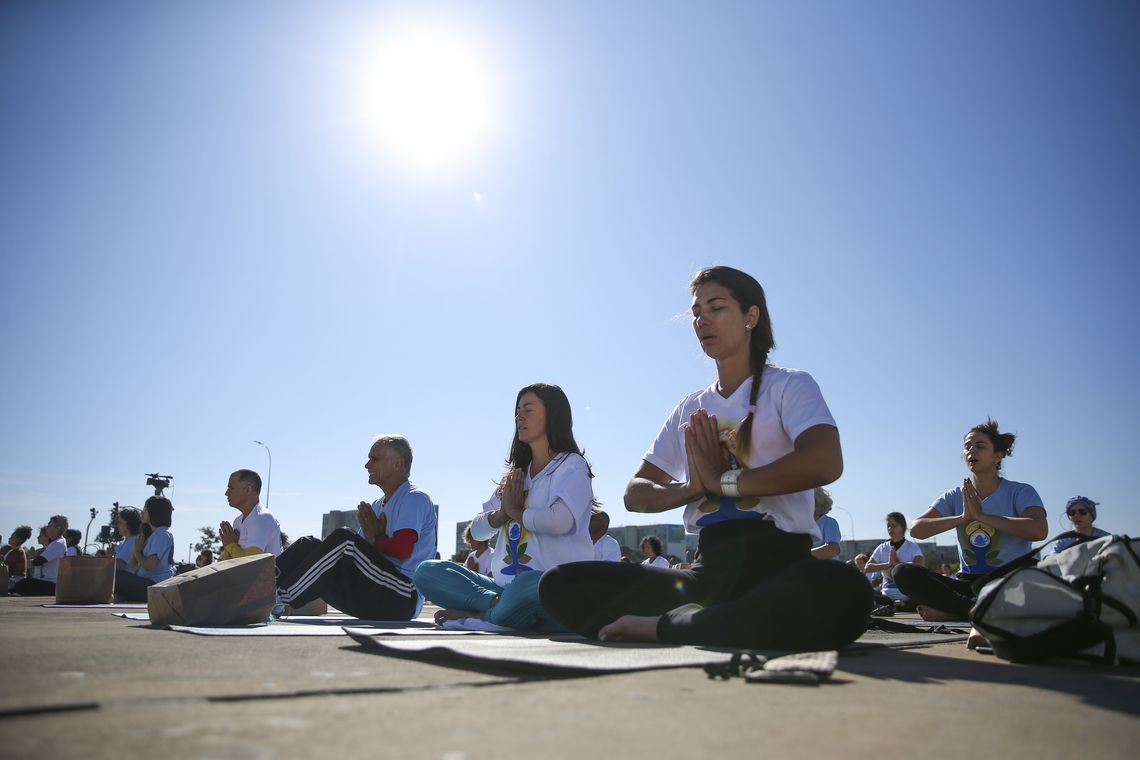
{"x": 1082, "y": 512}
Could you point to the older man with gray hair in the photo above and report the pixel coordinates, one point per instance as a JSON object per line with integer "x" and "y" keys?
{"x": 368, "y": 573}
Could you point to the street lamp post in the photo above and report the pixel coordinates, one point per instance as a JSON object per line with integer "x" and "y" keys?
{"x": 269, "y": 475}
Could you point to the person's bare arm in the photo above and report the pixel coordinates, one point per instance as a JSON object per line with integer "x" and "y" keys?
{"x": 826, "y": 551}
{"x": 932, "y": 522}
{"x": 651, "y": 489}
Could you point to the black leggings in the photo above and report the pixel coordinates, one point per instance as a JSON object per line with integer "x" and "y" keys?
{"x": 130, "y": 587}
{"x": 954, "y": 596}
{"x": 33, "y": 587}
{"x": 756, "y": 587}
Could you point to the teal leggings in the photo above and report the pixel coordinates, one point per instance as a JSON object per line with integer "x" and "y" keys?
{"x": 453, "y": 586}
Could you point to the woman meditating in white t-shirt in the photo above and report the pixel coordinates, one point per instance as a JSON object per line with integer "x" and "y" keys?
{"x": 892, "y": 553}
{"x": 742, "y": 457}
{"x": 538, "y": 517}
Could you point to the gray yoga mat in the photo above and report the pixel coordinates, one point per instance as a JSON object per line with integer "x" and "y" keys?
{"x": 115, "y": 606}
{"x": 559, "y": 655}
{"x": 571, "y": 655}
{"x": 299, "y": 625}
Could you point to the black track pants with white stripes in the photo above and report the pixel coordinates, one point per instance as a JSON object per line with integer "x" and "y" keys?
{"x": 347, "y": 572}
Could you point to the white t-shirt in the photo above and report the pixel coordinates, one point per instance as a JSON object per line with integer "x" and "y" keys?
{"x": 555, "y": 528}
{"x": 906, "y": 553}
{"x": 72, "y": 551}
{"x": 657, "y": 561}
{"x": 790, "y": 402}
{"x": 484, "y": 562}
{"x": 259, "y": 528}
{"x": 53, "y": 552}
{"x": 607, "y": 549}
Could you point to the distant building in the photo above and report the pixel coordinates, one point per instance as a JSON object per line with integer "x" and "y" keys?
{"x": 339, "y": 518}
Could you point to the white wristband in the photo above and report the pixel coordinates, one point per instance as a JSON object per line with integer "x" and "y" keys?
{"x": 728, "y": 485}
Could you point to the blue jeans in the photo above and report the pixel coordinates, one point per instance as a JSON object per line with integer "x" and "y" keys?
{"x": 453, "y": 586}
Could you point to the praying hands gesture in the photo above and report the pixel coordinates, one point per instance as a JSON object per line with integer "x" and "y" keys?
{"x": 971, "y": 502}
{"x": 371, "y": 526}
{"x": 702, "y": 447}
{"x": 512, "y": 497}
{"x": 227, "y": 534}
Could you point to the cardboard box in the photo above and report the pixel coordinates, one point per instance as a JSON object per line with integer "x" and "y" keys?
{"x": 85, "y": 580}
{"x": 231, "y": 592}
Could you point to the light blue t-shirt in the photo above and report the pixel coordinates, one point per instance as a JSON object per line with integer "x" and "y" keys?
{"x": 126, "y": 548}
{"x": 829, "y": 530}
{"x": 160, "y": 544}
{"x": 410, "y": 508}
{"x": 980, "y": 547}
{"x": 1065, "y": 543}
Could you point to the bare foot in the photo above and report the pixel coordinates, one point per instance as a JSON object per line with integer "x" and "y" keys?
{"x": 443, "y": 616}
{"x": 630, "y": 628}
{"x": 931, "y": 615}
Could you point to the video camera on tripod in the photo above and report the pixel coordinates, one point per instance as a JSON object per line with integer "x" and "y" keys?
{"x": 159, "y": 482}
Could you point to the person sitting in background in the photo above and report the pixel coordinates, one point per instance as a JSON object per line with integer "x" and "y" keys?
{"x": 606, "y": 547}
{"x": 651, "y": 547}
{"x": 481, "y": 555}
{"x": 152, "y": 560}
{"x": 368, "y": 574}
{"x": 539, "y": 517}
{"x": 860, "y": 564}
{"x": 892, "y": 553}
{"x": 13, "y": 556}
{"x": 205, "y": 557}
{"x": 947, "y": 570}
{"x": 72, "y": 537}
{"x": 1081, "y": 511}
{"x": 255, "y": 530}
{"x": 45, "y": 566}
{"x": 996, "y": 520}
{"x": 129, "y": 524}
{"x": 828, "y": 528}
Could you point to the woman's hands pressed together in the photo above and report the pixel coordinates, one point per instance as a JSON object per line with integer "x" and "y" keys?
{"x": 512, "y": 497}
{"x": 702, "y": 446}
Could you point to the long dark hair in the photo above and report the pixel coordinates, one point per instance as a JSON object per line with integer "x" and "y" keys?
{"x": 559, "y": 425}
{"x": 748, "y": 293}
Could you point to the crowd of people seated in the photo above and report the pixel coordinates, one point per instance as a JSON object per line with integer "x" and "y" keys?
{"x": 746, "y": 459}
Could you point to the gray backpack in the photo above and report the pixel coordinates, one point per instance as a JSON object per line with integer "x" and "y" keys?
{"x": 1083, "y": 601}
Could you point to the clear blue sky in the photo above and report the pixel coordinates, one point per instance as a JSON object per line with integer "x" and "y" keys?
{"x": 204, "y": 242}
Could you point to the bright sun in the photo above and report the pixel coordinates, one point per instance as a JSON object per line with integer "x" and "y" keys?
{"x": 428, "y": 97}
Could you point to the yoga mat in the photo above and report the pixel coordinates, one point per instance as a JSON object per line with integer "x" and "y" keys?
{"x": 339, "y": 629}
{"x": 557, "y": 656}
{"x": 570, "y": 655}
{"x": 302, "y": 625}
{"x": 116, "y": 606}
